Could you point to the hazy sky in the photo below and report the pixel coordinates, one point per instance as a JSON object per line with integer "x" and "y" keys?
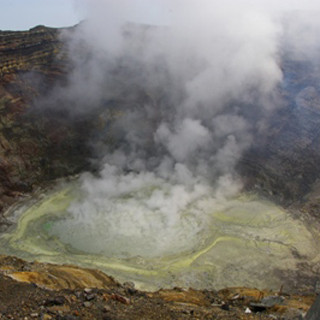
{"x": 24, "y": 14}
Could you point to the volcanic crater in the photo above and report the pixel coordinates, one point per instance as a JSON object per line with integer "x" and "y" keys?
{"x": 264, "y": 237}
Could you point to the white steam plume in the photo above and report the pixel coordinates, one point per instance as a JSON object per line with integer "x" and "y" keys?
{"x": 186, "y": 96}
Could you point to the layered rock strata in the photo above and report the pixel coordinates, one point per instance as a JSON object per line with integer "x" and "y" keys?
{"x": 35, "y": 145}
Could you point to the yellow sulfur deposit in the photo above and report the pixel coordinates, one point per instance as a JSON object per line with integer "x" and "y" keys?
{"x": 243, "y": 241}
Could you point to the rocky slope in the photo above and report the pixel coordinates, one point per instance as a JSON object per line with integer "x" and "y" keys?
{"x": 35, "y": 146}
{"x": 284, "y": 161}
{"x": 66, "y": 292}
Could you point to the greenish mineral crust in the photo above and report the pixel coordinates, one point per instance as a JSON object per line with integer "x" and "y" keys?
{"x": 248, "y": 242}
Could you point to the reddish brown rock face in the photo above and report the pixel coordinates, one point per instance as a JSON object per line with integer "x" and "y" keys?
{"x": 25, "y": 55}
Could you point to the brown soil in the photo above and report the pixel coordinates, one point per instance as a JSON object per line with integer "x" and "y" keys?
{"x": 27, "y": 301}
{"x": 88, "y": 294}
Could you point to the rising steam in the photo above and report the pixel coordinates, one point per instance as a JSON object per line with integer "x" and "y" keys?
{"x": 179, "y": 101}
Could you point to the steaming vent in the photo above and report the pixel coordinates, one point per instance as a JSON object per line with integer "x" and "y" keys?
{"x": 177, "y": 106}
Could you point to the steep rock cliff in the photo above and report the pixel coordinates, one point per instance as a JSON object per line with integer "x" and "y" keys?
{"x": 35, "y": 146}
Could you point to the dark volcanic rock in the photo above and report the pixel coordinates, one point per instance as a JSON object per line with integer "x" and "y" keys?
{"x": 283, "y": 161}
{"x": 35, "y": 145}
{"x": 314, "y": 312}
